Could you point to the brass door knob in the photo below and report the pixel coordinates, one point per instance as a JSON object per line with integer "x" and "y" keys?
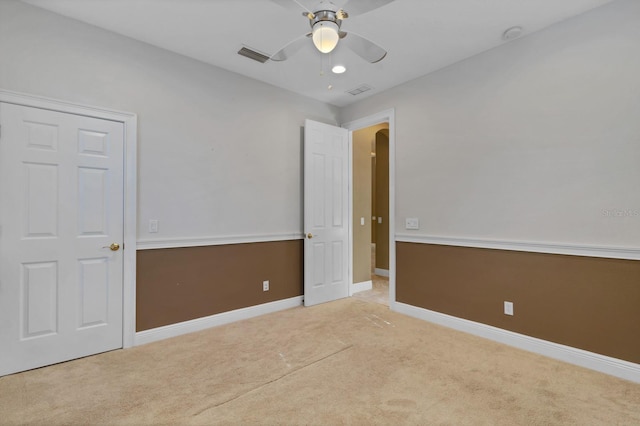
{"x": 309, "y": 235}
{"x": 113, "y": 246}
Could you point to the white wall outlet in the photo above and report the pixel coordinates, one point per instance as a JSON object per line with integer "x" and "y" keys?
{"x": 508, "y": 308}
{"x": 265, "y": 285}
{"x": 153, "y": 226}
{"x": 412, "y": 223}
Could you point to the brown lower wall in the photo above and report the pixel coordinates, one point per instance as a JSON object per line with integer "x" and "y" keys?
{"x": 181, "y": 284}
{"x": 584, "y": 302}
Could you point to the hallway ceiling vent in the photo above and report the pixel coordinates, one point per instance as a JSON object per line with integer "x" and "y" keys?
{"x": 253, "y": 54}
{"x": 360, "y": 89}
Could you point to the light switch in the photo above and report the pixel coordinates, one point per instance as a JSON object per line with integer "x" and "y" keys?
{"x": 362, "y": 221}
{"x": 412, "y": 223}
{"x": 379, "y": 219}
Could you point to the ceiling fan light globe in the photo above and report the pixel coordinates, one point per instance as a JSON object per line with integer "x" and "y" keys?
{"x": 325, "y": 36}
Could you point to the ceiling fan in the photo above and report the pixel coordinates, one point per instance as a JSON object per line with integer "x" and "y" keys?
{"x": 325, "y": 20}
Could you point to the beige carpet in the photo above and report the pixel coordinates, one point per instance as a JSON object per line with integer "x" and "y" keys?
{"x": 345, "y": 362}
{"x": 379, "y": 292}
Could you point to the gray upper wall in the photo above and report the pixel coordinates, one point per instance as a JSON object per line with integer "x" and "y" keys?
{"x": 218, "y": 153}
{"x": 535, "y": 141}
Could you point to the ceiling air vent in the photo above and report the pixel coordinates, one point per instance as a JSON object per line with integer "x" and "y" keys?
{"x": 252, "y": 54}
{"x": 360, "y": 89}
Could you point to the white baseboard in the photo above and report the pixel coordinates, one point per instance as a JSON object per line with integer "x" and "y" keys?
{"x": 199, "y": 324}
{"x": 381, "y": 272}
{"x": 604, "y": 364}
{"x": 363, "y": 286}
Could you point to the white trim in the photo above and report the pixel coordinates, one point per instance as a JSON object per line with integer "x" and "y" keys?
{"x": 149, "y": 244}
{"x": 381, "y": 272}
{"x": 130, "y": 231}
{"x": 350, "y": 211}
{"x": 362, "y": 286}
{"x": 130, "y": 122}
{"x": 604, "y": 364}
{"x": 51, "y": 104}
{"x": 173, "y": 330}
{"x": 629, "y": 253}
{"x": 386, "y": 116}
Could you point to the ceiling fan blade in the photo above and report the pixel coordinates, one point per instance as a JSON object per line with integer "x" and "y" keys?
{"x": 358, "y": 7}
{"x": 290, "y": 49}
{"x": 291, "y": 5}
{"x": 366, "y": 49}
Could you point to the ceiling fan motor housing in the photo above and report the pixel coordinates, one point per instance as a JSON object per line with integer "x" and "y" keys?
{"x": 324, "y": 16}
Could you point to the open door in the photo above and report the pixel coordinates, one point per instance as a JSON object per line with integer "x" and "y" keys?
{"x": 326, "y": 213}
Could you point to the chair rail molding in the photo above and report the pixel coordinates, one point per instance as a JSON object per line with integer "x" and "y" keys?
{"x": 612, "y": 252}
{"x": 149, "y": 244}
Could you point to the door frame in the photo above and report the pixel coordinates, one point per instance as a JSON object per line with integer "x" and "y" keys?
{"x": 130, "y": 123}
{"x": 386, "y": 116}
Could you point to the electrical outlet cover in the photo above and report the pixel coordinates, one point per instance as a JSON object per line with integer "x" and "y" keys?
{"x": 508, "y": 308}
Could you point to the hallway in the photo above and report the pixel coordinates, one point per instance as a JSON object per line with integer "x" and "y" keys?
{"x": 380, "y": 291}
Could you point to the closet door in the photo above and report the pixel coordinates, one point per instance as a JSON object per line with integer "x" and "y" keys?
{"x": 61, "y": 228}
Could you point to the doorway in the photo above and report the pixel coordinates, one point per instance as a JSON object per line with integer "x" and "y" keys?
{"x": 370, "y": 182}
{"x": 372, "y": 208}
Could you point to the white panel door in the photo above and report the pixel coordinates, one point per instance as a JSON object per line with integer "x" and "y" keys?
{"x": 61, "y": 208}
{"x": 326, "y": 210}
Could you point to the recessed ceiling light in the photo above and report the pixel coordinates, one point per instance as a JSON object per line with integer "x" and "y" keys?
{"x": 338, "y": 69}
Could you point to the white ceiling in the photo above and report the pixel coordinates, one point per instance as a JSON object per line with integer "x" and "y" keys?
{"x": 421, "y": 36}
